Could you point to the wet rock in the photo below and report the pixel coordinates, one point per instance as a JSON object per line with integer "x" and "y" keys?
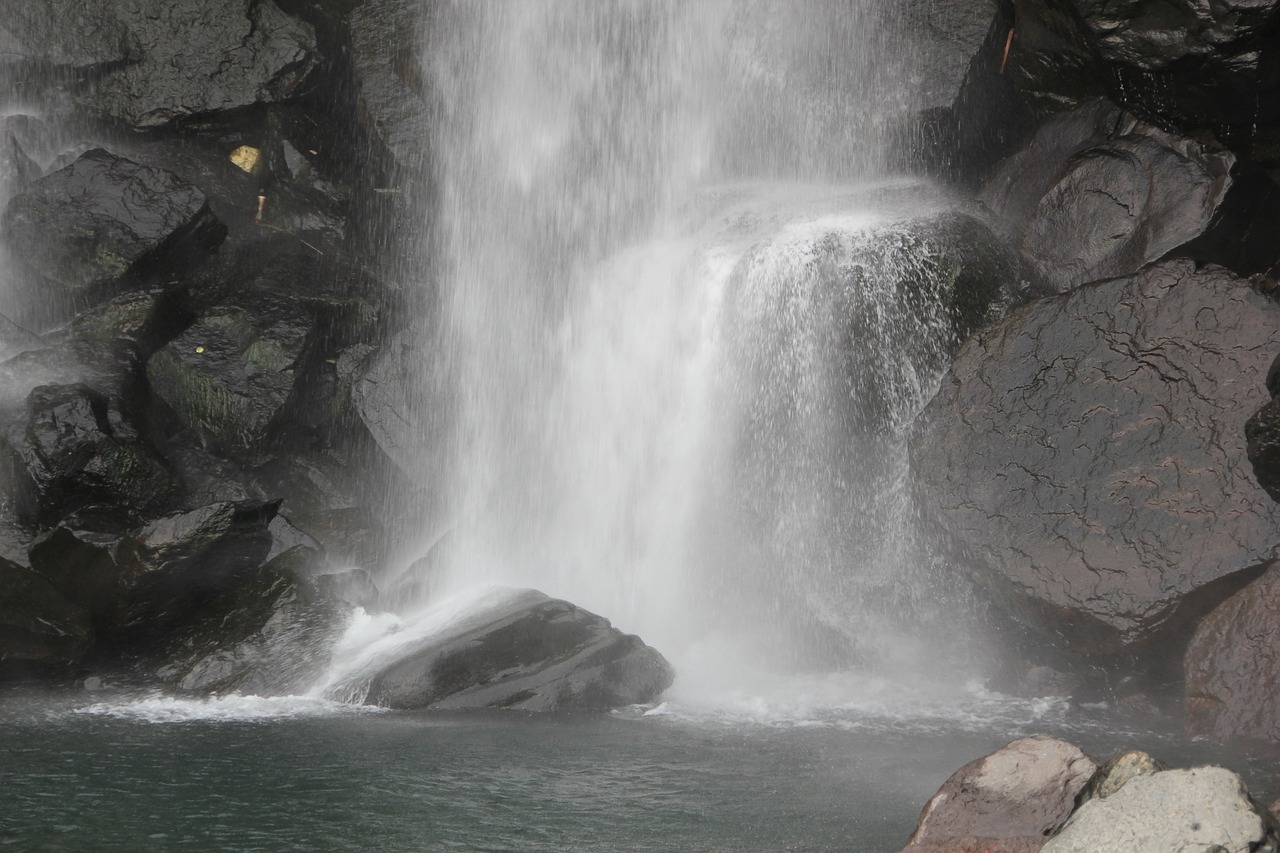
{"x": 525, "y": 651}
{"x": 16, "y": 168}
{"x": 394, "y": 104}
{"x": 1232, "y": 674}
{"x": 1009, "y": 800}
{"x": 15, "y": 340}
{"x": 1262, "y": 437}
{"x": 1120, "y": 205}
{"x": 1194, "y": 65}
{"x": 81, "y": 565}
{"x": 267, "y": 635}
{"x": 175, "y": 563}
{"x": 1205, "y": 808}
{"x": 76, "y": 448}
{"x": 230, "y": 376}
{"x": 1118, "y": 770}
{"x": 86, "y": 227}
{"x": 40, "y": 631}
{"x": 1086, "y": 454}
{"x": 149, "y": 65}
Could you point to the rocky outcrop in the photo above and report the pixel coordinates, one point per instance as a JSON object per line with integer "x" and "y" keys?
{"x": 40, "y": 631}
{"x": 1086, "y": 453}
{"x": 75, "y": 448}
{"x": 526, "y": 652}
{"x": 1232, "y": 671}
{"x": 1205, "y": 808}
{"x": 84, "y": 228}
{"x": 1009, "y": 801}
{"x": 1116, "y": 772}
{"x": 148, "y": 64}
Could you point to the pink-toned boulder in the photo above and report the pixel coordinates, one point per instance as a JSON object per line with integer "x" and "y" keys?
{"x": 1233, "y": 665}
{"x": 1005, "y": 802}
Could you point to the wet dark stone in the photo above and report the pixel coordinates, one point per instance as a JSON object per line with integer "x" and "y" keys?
{"x": 149, "y": 64}
{"x": 1262, "y": 433}
{"x": 75, "y": 448}
{"x": 230, "y": 376}
{"x": 41, "y": 633}
{"x": 1085, "y": 455}
{"x": 174, "y": 564}
{"x": 1233, "y": 666}
{"x": 85, "y": 228}
{"x": 1009, "y": 801}
{"x": 81, "y": 565}
{"x": 526, "y": 652}
{"x": 269, "y": 634}
{"x": 1096, "y": 194}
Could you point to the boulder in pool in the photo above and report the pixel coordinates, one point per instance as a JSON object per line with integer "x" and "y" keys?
{"x": 524, "y": 651}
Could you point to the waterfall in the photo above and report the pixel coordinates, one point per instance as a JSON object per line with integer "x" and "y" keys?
{"x": 683, "y": 324}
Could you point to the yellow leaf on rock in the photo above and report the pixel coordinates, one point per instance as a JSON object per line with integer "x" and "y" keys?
{"x": 246, "y": 157}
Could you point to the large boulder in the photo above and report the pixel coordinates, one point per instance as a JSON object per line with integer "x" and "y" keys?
{"x": 230, "y": 375}
{"x": 1008, "y": 801}
{"x": 269, "y": 634}
{"x": 1233, "y": 666}
{"x": 40, "y": 631}
{"x": 74, "y": 448}
{"x": 1086, "y": 453}
{"x": 171, "y": 566}
{"x": 1096, "y": 194}
{"x": 148, "y": 64}
{"x": 85, "y": 228}
{"x": 523, "y": 651}
{"x": 1205, "y": 808}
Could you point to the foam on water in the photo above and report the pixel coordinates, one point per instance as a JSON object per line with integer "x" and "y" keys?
{"x": 221, "y": 709}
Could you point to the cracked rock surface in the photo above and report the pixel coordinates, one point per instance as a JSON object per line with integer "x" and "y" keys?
{"x": 1233, "y": 665}
{"x": 1086, "y": 454}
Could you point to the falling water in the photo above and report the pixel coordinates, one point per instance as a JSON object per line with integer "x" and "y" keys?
{"x": 670, "y": 393}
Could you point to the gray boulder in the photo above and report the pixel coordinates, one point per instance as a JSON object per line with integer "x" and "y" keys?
{"x": 1233, "y": 666}
{"x": 40, "y": 631}
{"x": 1205, "y": 808}
{"x": 527, "y": 652}
{"x": 86, "y": 227}
{"x": 148, "y": 64}
{"x": 1086, "y": 453}
{"x": 1009, "y": 800}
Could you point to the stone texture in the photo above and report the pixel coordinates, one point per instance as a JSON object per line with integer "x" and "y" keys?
{"x": 1233, "y": 666}
{"x": 1086, "y": 453}
{"x": 527, "y": 652}
{"x": 1005, "y": 802}
{"x": 87, "y": 226}
{"x": 39, "y": 629}
{"x": 1205, "y": 808}
{"x": 75, "y": 448}
{"x": 1116, "y": 772}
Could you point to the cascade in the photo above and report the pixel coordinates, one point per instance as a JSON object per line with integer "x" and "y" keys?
{"x": 666, "y": 390}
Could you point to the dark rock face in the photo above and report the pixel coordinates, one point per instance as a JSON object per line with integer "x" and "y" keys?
{"x": 267, "y": 635}
{"x": 1116, "y": 772}
{"x": 84, "y": 228}
{"x": 75, "y": 449}
{"x": 1205, "y": 808}
{"x": 151, "y": 64}
{"x": 1233, "y": 681}
{"x": 528, "y": 652}
{"x": 1007, "y": 801}
{"x": 1098, "y": 195}
{"x": 403, "y": 414}
{"x": 1194, "y": 65}
{"x": 172, "y": 565}
{"x": 1262, "y": 432}
{"x": 81, "y": 565}
{"x": 391, "y": 92}
{"x": 1086, "y": 453}
{"x": 39, "y": 629}
{"x": 230, "y": 376}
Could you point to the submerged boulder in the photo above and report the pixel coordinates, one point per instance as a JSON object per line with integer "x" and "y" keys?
{"x": 1086, "y": 453}
{"x": 528, "y": 652}
{"x": 1233, "y": 666}
{"x": 1009, "y": 800}
{"x": 1205, "y": 808}
{"x": 86, "y": 227}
